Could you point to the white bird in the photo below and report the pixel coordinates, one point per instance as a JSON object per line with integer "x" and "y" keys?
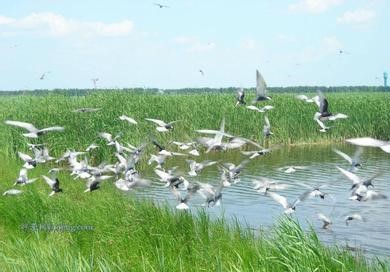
{"x": 288, "y": 208}
{"x": 354, "y": 216}
{"x": 263, "y": 185}
{"x": 359, "y": 185}
{"x": 161, "y": 125}
{"x": 240, "y": 97}
{"x": 33, "y": 131}
{"x": 267, "y": 127}
{"x": 128, "y": 119}
{"x": 54, "y": 184}
{"x": 30, "y": 163}
{"x": 12, "y": 192}
{"x": 256, "y": 153}
{"x": 183, "y": 201}
{"x": 131, "y": 182}
{"x": 23, "y": 179}
{"x": 171, "y": 180}
{"x": 196, "y": 167}
{"x": 368, "y": 195}
{"x": 91, "y": 147}
{"x": 355, "y": 162}
{"x": 370, "y": 142}
{"x": 291, "y": 168}
{"x": 261, "y": 89}
{"x": 315, "y": 99}
{"x": 94, "y": 182}
{"x": 326, "y": 220}
{"x": 263, "y": 109}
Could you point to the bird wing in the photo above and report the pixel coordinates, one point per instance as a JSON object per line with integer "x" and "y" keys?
{"x": 322, "y": 125}
{"x": 324, "y": 218}
{"x": 351, "y": 176}
{"x": 24, "y": 125}
{"x": 49, "y": 181}
{"x": 278, "y": 198}
{"x": 261, "y": 86}
{"x": 128, "y": 119}
{"x": 156, "y": 121}
{"x": 342, "y": 154}
{"x": 366, "y": 141}
{"x": 24, "y": 157}
{"x": 52, "y": 129}
{"x": 106, "y": 136}
{"x": 163, "y": 175}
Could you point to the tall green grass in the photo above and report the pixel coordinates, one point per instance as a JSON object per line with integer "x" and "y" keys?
{"x": 291, "y": 120}
{"x": 138, "y": 235}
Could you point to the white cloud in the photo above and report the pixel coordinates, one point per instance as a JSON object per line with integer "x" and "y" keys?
{"x": 52, "y": 24}
{"x": 360, "y": 16}
{"x": 314, "y": 6}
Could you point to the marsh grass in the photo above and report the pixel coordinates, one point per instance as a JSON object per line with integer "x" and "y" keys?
{"x": 291, "y": 120}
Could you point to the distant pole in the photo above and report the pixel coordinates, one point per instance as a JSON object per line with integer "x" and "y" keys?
{"x": 385, "y": 76}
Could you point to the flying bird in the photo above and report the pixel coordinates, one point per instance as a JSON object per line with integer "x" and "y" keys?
{"x": 161, "y": 5}
{"x": 161, "y": 125}
{"x": 54, "y": 184}
{"x": 240, "y": 97}
{"x": 370, "y": 142}
{"x": 33, "y": 131}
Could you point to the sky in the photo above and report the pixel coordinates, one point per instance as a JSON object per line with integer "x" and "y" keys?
{"x": 128, "y": 44}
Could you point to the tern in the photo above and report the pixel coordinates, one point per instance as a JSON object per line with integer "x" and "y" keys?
{"x": 161, "y": 125}
{"x": 315, "y": 99}
{"x": 94, "y": 182}
{"x": 23, "y": 179}
{"x": 326, "y": 220}
{"x": 170, "y": 180}
{"x": 264, "y": 185}
{"x": 288, "y": 208}
{"x": 128, "y": 119}
{"x": 161, "y": 5}
{"x": 354, "y": 216}
{"x": 263, "y": 109}
{"x": 291, "y": 168}
{"x": 324, "y": 114}
{"x": 355, "y": 161}
{"x": 33, "y": 131}
{"x": 54, "y": 184}
{"x": 183, "y": 201}
{"x": 196, "y": 167}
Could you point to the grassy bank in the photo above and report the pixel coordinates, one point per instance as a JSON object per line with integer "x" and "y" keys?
{"x": 291, "y": 120}
{"x": 131, "y": 235}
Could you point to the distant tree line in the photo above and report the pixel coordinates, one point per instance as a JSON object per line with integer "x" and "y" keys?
{"x": 296, "y": 89}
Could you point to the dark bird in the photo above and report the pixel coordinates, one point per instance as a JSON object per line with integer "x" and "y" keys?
{"x": 161, "y": 5}
{"x": 240, "y": 97}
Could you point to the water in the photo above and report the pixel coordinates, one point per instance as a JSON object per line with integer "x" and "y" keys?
{"x": 242, "y": 202}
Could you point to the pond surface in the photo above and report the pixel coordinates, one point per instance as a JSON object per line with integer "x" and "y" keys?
{"x": 253, "y": 209}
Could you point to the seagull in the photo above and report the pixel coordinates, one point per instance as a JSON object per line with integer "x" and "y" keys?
{"x": 256, "y": 153}
{"x": 240, "y": 97}
{"x": 355, "y": 161}
{"x": 288, "y": 208}
{"x": 54, "y": 184}
{"x": 128, "y": 119}
{"x": 267, "y": 127}
{"x": 354, "y": 216}
{"x": 201, "y": 72}
{"x": 261, "y": 89}
{"x": 161, "y": 125}
{"x": 326, "y": 220}
{"x": 82, "y": 110}
{"x": 12, "y": 192}
{"x": 33, "y": 131}
{"x": 161, "y": 5}
{"x": 370, "y": 142}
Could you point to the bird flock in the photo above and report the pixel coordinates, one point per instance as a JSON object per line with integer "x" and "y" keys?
{"x": 123, "y": 173}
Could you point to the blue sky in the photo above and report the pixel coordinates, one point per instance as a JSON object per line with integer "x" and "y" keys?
{"x": 137, "y": 44}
